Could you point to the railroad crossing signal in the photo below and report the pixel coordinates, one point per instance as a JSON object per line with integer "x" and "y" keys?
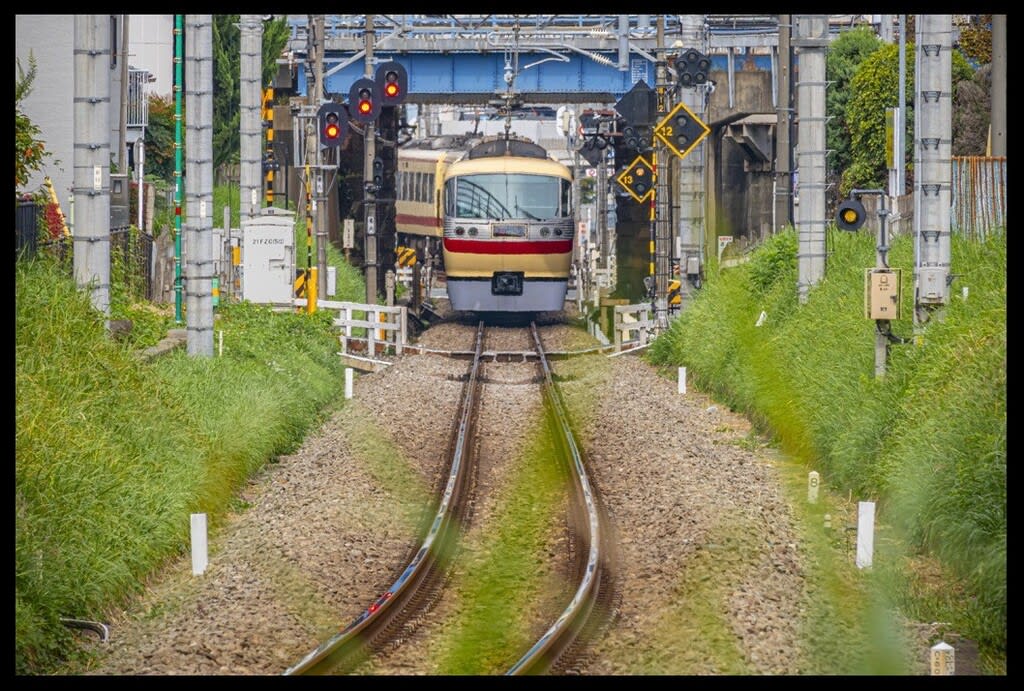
{"x": 638, "y": 179}
{"x": 681, "y": 130}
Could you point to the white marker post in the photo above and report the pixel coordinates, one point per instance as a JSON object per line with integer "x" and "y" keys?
{"x": 682, "y": 380}
{"x": 348, "y": 383}
{"x": 198, "y": 544}
{"x": 812, "y": 486}
{"x": 943, "y": 659}
{"x": 865, "y": 533}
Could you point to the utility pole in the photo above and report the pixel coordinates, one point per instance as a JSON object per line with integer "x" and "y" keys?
{"x": 122, "y": 153}
{"x": 662, "y": 235}
{"x": 811, "y": 42}
{"x": 322, "y": 195}
{"x": 932, "y": 165}
{"x": 370, "y": 207}
{"x": 92, "y": 158}
{"x": 199, "y": 184}
{"x": 783, "y": 148}
{"x": 690, "y": 187}
{"x": 250, "y": 127}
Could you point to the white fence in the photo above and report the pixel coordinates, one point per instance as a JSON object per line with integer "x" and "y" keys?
{"x": 630, "y": 319}
{"x": 381, "y": 324}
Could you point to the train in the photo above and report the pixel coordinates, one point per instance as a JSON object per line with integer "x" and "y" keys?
{"x": 497, "y": 212}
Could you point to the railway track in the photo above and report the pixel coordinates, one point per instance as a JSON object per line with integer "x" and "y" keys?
{"x": 395, "y": 614}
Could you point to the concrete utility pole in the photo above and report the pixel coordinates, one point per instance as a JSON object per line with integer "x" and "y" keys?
{"x": 199, "y": 183}
{"x": 122, "y": 153}
{"x": 92, "y": 157}
{"x": 250, "y": 125}
{"x": 998, "y": 126}
{"x": 783, "y": 148}
{"x": 811, "y": 42}
{"x": 690, "y": 188}
{"x": 662, "y": 236}
{"x": 932, "y": 165}
{"x": 369, "y": 151}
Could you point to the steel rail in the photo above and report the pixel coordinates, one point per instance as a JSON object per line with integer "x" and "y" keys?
{"x": 544, "y": 653}
{"x": 358, "y": 634}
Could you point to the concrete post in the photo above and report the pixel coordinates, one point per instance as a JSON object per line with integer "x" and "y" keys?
{"x": 92, "y": 157}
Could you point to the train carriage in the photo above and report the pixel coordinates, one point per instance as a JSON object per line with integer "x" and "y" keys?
{"x": 503, "y": 213}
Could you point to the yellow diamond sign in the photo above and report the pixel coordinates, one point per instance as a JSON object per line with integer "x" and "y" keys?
{"x": 681, "y": 130}
{"x": 638, "y": 179}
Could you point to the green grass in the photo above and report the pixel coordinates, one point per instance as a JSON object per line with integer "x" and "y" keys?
{"x": 113, "y": 453}
{"x": 927, "y": 442}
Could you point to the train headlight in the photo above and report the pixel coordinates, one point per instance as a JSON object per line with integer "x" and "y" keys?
{"x": 545, "y": 231}
{"x": 459, "y": 230}
{"x": 472, "y": 232}
{"x": 558, "y": 232}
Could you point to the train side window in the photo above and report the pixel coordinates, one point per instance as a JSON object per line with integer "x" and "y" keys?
{"x": 566, "y": 198}
{"x": 449, "y": 197}
{"x": 430, "y": 187}
{"x": 399, "y": 191}
{"x": 418, "y": 192}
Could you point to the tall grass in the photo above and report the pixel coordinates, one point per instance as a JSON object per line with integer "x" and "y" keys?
{"x": 113, "y": 453}
{"x": 927, "y": 441}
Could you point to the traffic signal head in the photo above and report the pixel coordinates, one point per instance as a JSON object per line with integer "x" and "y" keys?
{"x": 637, "y": 137}
{"x": 364, "y": 100}
{"x": 851, "y": 215}
{"x": 393, "y": 81}
{"x": 333, "y": 125}
{"x": 692, "y": 68}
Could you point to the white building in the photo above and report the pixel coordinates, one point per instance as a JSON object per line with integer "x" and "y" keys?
{"x": 49, "y": 38}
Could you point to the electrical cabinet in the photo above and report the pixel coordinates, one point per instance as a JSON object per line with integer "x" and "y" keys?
{"x": 882, "y": 293}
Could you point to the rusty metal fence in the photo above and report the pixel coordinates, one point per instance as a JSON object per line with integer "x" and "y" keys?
{"x": 978, "y": 196}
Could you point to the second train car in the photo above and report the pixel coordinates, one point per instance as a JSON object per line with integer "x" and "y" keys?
{"x": 501, "y": 211}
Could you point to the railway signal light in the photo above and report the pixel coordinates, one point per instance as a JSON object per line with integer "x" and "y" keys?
{"x": 332, "y": 124}
{"x": 637, "y": 137}
{"x": 692, "y": 68}
{"x": 363, "y": 100}
{"x": 681, "y": 130}
{"x": 638, "y": 179}
{"x": 851, "y": 215}
{"x": 393, "y": 80}
{"x": 378, "y": 172}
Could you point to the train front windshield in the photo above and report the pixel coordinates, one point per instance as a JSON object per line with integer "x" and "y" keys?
{"x": 503, "y": 196}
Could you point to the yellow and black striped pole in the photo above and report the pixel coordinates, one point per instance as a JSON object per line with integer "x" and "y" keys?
{"x": 651, "y": 216}
{"x": 268, "y": 119}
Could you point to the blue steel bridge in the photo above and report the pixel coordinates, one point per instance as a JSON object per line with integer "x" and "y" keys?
{"x": 556, "y": 58}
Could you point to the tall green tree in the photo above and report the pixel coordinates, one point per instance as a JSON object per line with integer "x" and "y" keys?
{"x": 160, "y": 138}
{"x": 873, "y": 88}
{"x": 845, "y": 55}
{"x": 226, "y": 85}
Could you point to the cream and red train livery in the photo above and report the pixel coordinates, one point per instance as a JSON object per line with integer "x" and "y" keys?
{"x": 502, "y": 212}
